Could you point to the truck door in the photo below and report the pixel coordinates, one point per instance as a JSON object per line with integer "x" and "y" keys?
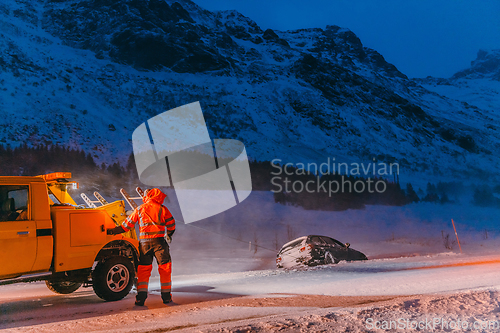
{"x": 18, "y": 242}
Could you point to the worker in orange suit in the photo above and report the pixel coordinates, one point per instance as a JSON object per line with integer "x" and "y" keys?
{"x": 155, "y": 222}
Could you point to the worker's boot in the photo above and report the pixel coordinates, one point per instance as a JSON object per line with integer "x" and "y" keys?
{"x": 166, "y": 297}
{"x": 140, "y": 298}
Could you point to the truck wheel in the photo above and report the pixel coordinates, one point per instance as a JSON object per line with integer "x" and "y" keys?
{"x": 63, "y": 287}
{"x": 113, "y": 278}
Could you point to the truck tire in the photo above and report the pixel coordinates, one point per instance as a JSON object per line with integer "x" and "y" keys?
{"x": 63, "y": 287}
{"x": 113, "y": 278}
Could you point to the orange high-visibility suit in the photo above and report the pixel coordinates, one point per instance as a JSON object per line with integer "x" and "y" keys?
{"x": 155, "y": 221}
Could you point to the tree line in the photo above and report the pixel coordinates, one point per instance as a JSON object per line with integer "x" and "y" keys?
{"x": 27, "y": 160}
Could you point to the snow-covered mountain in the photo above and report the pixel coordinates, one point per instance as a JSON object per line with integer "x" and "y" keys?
{"x": 87, "y": 73}
{"x": 477, "y": 86}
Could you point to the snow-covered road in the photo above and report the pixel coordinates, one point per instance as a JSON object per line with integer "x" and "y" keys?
{"x": 205, "y": 299}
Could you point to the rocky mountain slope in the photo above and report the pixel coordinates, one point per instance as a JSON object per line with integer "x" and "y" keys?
{"x": 87, "y": 73}
{"x": 477, "y": 86}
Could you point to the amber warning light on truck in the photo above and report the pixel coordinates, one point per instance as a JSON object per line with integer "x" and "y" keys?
{"x": 60, "y": 175}
{"x": 56, "y": 175}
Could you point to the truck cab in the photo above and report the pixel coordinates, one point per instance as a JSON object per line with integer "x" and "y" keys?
{"x": 45, "y": 235}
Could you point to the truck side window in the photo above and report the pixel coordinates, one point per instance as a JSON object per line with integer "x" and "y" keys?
{"x": 13, "y": 202}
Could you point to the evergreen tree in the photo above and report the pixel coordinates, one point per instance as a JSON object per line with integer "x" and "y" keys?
{"x": 432, "y": 195}
{"x": 444, "y": 199}
{"x": 484, "y": 198}
{"x": 411, "y": 194}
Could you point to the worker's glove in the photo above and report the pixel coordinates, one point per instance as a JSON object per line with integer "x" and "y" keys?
{"x": 169, "y": 235}
{"x": 115, "y": 231}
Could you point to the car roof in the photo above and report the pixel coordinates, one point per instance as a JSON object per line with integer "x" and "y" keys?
{"x": 305, "y": 237}
{"x": 320, "y": 236}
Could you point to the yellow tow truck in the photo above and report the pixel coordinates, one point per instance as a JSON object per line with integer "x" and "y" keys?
{"x": 45, "y": 235}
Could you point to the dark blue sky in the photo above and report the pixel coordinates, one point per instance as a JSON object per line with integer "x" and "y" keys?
{"x": 420, "y": 37}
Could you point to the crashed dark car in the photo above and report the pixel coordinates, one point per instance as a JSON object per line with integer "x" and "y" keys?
{"x": 315, "y": 250}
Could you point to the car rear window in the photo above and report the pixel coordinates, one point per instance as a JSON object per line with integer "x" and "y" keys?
{"x": 290, "y": 246}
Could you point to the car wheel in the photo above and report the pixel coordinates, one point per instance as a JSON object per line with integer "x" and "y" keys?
{"x": 330, "y": 259}
{"x": 113, "y": 278}
{"x": 63, "y": 287}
